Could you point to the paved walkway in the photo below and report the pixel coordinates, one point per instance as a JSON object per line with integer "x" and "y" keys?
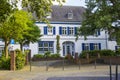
{"x": 86, "y": 72}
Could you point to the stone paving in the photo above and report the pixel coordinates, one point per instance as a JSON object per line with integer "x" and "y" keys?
{"x": 86, "y": 72}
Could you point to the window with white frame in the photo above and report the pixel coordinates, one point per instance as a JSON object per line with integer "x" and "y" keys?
{"x": 50, "y": 30}
{"x": 86, "y": 46}
{"x": 49, "y": 15}
{"x": 71, "y": 31}
{"x": 44, "y": 46}
{"x": 96, "y": 46}
{"x": 70, "y": 15}
{"x": 64, "y": 30}
{"x": 91, "y": 46}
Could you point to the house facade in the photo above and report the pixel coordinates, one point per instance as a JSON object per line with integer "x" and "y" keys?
{"x": 64, "y": 22}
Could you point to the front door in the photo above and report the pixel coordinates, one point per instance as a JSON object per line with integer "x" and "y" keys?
{"x": 68, "y": 48}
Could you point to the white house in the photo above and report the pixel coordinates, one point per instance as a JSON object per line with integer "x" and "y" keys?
{"x": 64, "y": 21}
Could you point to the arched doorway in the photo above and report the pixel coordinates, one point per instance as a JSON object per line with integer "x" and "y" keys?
{"x": 68, "y": 48}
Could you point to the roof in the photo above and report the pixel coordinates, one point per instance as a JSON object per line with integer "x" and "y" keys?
{"x": 60, "y": 13}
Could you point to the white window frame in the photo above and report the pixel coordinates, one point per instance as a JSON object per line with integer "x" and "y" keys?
{"x": 87, "y": 47}
{"x": 70, "y": 15}
{"x": 64, "y": 30}
{"x": 43, "y": 47}
{"x": 71, "y": 30}
{"x": 96, "y": 46}
{"x": 50, "y": 30}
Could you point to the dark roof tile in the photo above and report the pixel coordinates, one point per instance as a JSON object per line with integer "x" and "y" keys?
{"x": 61, "y": 13}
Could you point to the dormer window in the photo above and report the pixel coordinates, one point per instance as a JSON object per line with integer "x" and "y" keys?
{"x": 70, "y": 15}
{"x": 49, "y": 15}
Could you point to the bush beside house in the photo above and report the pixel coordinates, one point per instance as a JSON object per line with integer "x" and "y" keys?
{"x": 45, "y": 56}
{"x": 20, "y": 61}
{"x": 95, "y": 53}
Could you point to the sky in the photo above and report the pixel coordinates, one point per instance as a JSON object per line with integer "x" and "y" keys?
{"x": 75, "y": 2}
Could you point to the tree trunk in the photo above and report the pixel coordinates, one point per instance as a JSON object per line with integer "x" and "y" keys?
{"x": 21, "y": 46}
{"x": 6, "y": 49}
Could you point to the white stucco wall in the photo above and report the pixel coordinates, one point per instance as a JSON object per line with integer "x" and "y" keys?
{"x": 78, "y": 44}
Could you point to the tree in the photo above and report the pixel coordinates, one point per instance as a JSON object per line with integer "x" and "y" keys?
{"x": 30, "y": 35}
{"x": 58, "y": 44}
{"x": 13, "y": 27}
{"x": 103, "y": 15}
{"x": 5, "y": 10}
{"x": 13, "y": 23}
{"x": 40, "y": 8}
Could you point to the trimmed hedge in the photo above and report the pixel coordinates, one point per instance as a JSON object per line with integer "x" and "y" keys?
{"x": 47, "y": 55}
{"x": 94, "y": 53}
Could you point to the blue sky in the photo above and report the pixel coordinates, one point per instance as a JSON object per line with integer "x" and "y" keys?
{"x": 75, "y": 2}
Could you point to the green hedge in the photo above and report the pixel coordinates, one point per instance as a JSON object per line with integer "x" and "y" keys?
{"x": 118, "y": 52}
{"x": 38, "y": 56}
{"x": 46, "y": 55}
{"x": 55, "y": 55}
{"x": 5, "y": 63}
{"x": 94, "y": 53}
{"x": 20, "y": 60}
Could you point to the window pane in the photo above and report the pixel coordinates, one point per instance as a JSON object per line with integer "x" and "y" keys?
{"x": 96, "y": 46}
{"x": 46, "y": 49}
{"x": 40, "y": 45}
{"x": 50, "y": 44}
{"x": 41, "y": 49}
{"x": 45, "y": 44}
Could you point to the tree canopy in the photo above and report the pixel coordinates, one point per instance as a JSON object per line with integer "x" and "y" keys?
{"x": 30, "y": 35}
{"x": 14, "y": 26}
{"x": 103, "y": 15}
{"x": 18, "y": 24}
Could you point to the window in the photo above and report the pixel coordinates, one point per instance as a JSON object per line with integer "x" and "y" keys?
{"x": 85, "y": 46}
{"x": 71, "y": 31}
{"x": 96, "y": 46}
{"x": 97, "y": 32}
{"x": 67, "y": 30}
{"x": 64, "y": 31}
{"x": 117, "y": 47}
{"x": 70, "y": 15}
{"x": 49, "y": 15}
{"x": 45, "y": 46}
{"x": 91, "y": 46}
{"x": 50, "y": 30}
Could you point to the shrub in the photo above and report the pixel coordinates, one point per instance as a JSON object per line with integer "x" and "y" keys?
{"x": 47, "y": 54}
{"x": 95, "y": 52}
{"x": 117, "y": 52}
{"x": 38, "y": 56}
{"x": 5, "y": 63}
{"x": 68, "y": 56}
{"x": 55, "y": 55}
{"x": 83, "y": 54}
{"x": 107, "y": 53}
{"x": 20, "y": 60}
